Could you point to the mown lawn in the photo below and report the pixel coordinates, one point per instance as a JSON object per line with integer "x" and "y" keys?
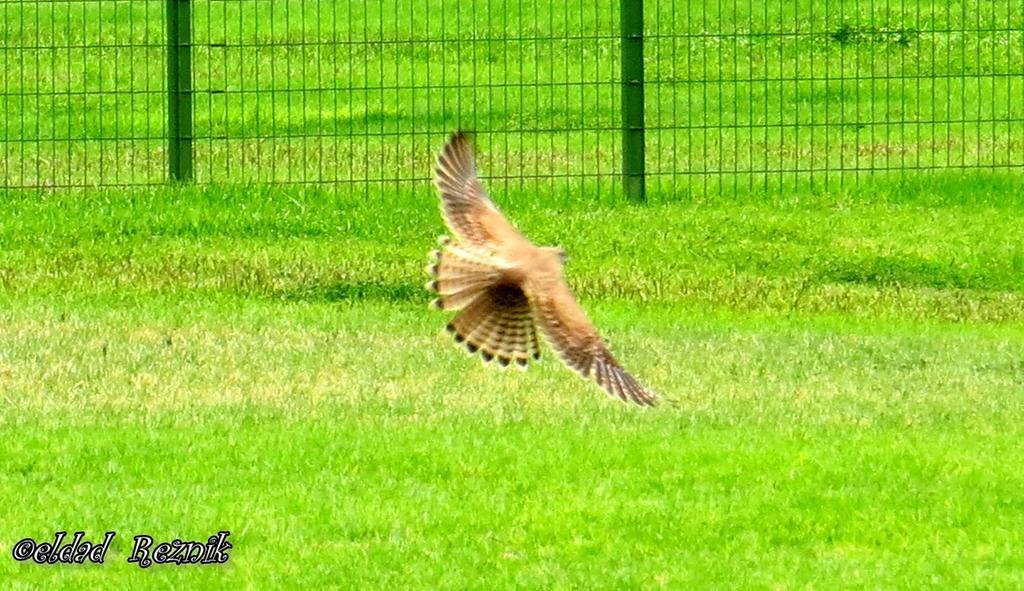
{"x": 844, "y": 347}
{"x": 848, "y": 371}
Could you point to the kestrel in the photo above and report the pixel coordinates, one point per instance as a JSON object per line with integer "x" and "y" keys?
{"x": 506, "y": 288}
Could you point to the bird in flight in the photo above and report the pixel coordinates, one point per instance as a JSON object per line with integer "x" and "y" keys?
{"x": 505, "y": 288}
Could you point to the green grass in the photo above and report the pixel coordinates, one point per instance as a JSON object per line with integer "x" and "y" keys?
{"x": 847, "y": 370}
{"x": 845, "y": 349}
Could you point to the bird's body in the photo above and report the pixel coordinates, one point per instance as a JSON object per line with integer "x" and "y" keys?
{"x": 505, "y": 287}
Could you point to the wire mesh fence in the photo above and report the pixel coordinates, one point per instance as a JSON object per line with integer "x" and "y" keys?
{"x": 83, "y": 93}
{"x": 362, "y": 95}
{"x": 357, "y": 96}
{"x": 747, "y": 95}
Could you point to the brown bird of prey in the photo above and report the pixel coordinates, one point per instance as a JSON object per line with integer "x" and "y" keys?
{"x": 505, "y": 287}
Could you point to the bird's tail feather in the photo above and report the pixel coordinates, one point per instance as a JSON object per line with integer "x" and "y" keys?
{"x": 498, "y": 324}
{"x": 495, "y": 318}
{"x": 458, "y": 276}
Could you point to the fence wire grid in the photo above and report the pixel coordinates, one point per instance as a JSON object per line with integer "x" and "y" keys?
{"x": 358, "y": 96}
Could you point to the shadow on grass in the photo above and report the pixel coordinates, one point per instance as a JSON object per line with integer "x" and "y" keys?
{"x": 910, "y": 271}
{"x": 357, "y": 291}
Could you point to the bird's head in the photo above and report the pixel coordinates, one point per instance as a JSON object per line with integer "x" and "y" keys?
{"x": 558, "y": 254}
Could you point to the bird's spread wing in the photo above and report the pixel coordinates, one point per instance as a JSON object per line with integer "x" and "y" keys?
{"x": 570, "y": 333}
{"x": 467, "y": 210}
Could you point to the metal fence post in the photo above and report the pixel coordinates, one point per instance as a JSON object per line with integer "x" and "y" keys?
{"x": 179, "y": 89}
{"x": 632, "y": 25}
